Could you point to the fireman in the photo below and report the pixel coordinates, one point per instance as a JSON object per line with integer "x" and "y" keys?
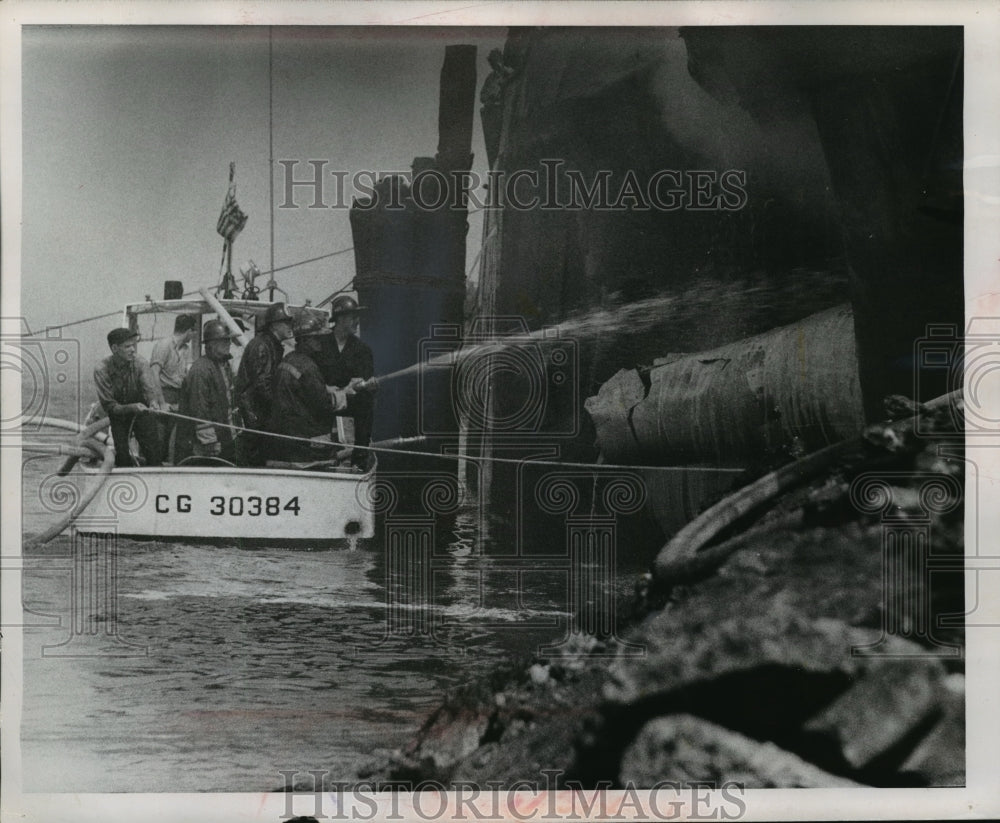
{"x": 303, "y": 408}
{"x": 347, "y": 363}
{"x": 207, "y": 394}
{"x": 255, "y": 383}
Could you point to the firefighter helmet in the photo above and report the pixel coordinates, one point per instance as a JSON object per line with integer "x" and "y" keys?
{"x": 276, "y": 314}
{"x": 215, "y": 330}
{"x": 344, "y": 304}
{"x": 309, "y": 326}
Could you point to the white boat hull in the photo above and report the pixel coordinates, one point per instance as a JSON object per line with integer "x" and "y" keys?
{"x": 220, "y": 503}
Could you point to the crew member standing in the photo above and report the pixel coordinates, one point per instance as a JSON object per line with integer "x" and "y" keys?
{"x": 255, "y": 383}
{"x": 169, "y": 364}
{"x": 207, "y": 395}
{"x": 303, "y": 407}
{"x": 346, "y": 362}
{"x": 128, "y": 393}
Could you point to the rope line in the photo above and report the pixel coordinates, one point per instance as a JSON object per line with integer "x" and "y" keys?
{"x": 348, "y": 286}
{"x": 106, "y": 315}
{"x": 73, "y": 323}
{"x": 310, "y": 260}
{"x": 455, "y": 457}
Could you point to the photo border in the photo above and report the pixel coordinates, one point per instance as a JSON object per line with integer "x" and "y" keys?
{"x": 982, "y": 252}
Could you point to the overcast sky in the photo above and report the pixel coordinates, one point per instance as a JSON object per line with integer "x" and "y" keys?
{"x": 128, "y": 133}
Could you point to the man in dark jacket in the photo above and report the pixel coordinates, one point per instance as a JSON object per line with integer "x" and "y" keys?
{"x": 255, "y": 383}
{"x": 303, "y": 407}
{"x": 207, "y": 394}
{"x": 128, "y": 391}
{"x": 346, "y": 362}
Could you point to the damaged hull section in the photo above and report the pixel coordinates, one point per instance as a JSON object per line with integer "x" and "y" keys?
{"x": 790, "y": 390}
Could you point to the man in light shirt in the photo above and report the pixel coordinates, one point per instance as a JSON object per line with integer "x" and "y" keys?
{"x": 169, "y": 363}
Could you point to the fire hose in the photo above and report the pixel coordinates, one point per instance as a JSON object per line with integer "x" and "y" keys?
{"x": 86, "y": 445}
{"x": 692, "y": 547}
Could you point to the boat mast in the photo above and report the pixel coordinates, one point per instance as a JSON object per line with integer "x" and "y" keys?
{"x": 270, "y": 147}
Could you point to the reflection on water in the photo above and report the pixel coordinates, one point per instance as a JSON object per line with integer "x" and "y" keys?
{"x": 213, "y": 667}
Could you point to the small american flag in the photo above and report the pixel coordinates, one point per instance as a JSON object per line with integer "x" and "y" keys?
{"x": 232, "y": 220}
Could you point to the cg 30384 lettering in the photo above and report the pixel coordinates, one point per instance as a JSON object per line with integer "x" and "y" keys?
{"x": 228, "y": 505}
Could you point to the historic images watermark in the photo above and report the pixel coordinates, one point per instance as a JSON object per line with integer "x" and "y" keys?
{"x": 907, "y": 503}
{"x": 550, "y": 187}
{"x": 585, "y": 506}
{"x": 504, "y": 380}
{"x": 90, "y": 567}
{"x": 969, "y": 361}
{"x": 48, "y": 366}
{"x": 910, "y": 505}
{"x": 94, "y": 597}
{"x": 409, "y": 506}
{"x": 965, "y": 430}
{"x": 513, "y": 398}
{"x": 47, "y": 362}
{"x": 313, "y": 792}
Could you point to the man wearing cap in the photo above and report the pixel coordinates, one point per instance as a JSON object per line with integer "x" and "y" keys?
{"x": 128, "y": 391}
{"x": 169, "y": 364}
{"x": 207, "y": 394}
{"x": 303, "y": 407}
{"x": 169, "y": 361}
{"x": 255, "y": 383}
{"x": 346, "y": 362}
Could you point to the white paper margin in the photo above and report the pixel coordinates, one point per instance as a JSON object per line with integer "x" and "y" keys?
{"x": 979, "y": 799}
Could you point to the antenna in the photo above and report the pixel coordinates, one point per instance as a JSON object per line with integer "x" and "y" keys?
{"x": 270, "y": 143}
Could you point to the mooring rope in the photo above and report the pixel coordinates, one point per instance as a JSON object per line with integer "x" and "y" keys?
{"x": 106, "y": 315}
{"x": 454, "y": 457}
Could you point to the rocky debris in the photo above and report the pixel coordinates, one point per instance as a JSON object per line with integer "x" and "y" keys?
{"x": 690, "y": 749}
{"x": 939, "y": 759}
{"x": 881, "y": 711}
{"x": 685, "y": 647}
{"x": 898, "y": 407}
{"x": 773, "y": 674}
{"x": 527, "y": 748}
{"x": 787, "y": 662}
{"x": 527, "y": 723}
{"x": 452, "y": 732}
